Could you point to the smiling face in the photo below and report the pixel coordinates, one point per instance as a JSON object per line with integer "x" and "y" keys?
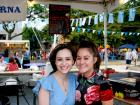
{"x": 85, "y": 61}
{"x": 64, "y": 61}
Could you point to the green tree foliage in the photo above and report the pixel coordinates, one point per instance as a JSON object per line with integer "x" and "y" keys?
{"x": 116, "y": 39}
{"x": 128, "y": 26}
{"x": 45, "y": 34}
{"x": 28, "y": 34}
{"x": 94, "y": 37}
{"x": 37, "y": 11}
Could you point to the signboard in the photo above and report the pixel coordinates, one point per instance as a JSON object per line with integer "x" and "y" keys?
{"x": 59, "y": 19}
{"x": 13, "y": 10}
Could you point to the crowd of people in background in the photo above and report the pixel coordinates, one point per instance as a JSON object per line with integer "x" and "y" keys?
{"x": 120, "y": 54}
{"x": 22, "y": 57}
{"x": 25, "y": 56}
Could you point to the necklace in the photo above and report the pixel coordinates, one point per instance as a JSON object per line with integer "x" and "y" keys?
{"x": 63, "y": 83}
{"x": 64, "y": 86}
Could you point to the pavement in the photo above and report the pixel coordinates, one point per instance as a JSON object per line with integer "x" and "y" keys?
{"x": 28, "y": 94}
{"x": 120, "y": 66}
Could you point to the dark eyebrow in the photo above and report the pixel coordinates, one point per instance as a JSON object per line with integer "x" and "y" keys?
{"x": 61, "y": 57}
{"x": 58, "y": 57}
{"x": 84, "y": 56}
{"x": 68, "y": 57}
{"x": 87, "y": 56}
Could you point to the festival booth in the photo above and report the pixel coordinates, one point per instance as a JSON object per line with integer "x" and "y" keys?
{"x": 126, "y": 87}
{"x": 13, "y": 10}
{"x": 13, "y": 46}
{"x": 15, "y": 87}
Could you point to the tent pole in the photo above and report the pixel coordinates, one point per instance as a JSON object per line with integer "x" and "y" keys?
{"x": 105, "y": 37}
{"x": 54, "y": 40}
{"x": 37, "y": 38}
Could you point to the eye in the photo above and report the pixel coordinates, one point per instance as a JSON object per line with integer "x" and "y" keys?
{"x": 59, "y": 59}
{"x": 68, "y": 59}
{"x": 78, "y": 58}
{"x": 86, "y": 58}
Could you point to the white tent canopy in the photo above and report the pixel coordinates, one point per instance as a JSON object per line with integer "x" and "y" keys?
{"x": 96, "y": 6}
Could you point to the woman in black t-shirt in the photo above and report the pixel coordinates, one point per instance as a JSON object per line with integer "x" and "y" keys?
{"x": 93, "y": 89}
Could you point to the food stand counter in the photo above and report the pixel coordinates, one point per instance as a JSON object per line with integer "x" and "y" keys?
{"x": 126, "y": 88}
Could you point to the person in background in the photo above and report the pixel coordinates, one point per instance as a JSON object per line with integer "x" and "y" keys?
{"x": 12, "y": 65}
{"x": 18, "y": 62}
{"x": 59, "y": 87}
{"x": 93, "y": 88}
{"x": 3, "y": 64}
{"x": 128, "y": 58}
{"x": 26, "y": 58}
{"x": 6, "y": 52}
{"x": 134, "y": 56}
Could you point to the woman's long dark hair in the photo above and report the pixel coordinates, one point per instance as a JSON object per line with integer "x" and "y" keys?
{"x": 54, "y": 52}
{"x": 17, "y": 61}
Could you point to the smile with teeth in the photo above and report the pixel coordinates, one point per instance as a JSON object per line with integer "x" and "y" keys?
{"x": 64, "y": 67}
{"x": 82, "y": 66}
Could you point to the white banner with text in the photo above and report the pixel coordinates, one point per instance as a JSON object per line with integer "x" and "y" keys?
{"x": 13, "y": 10}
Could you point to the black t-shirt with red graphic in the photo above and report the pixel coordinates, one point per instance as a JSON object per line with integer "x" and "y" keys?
{"x": 94, "y": 90}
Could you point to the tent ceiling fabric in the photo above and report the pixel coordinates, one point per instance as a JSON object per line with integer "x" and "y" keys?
{"x": 88, "y": 5}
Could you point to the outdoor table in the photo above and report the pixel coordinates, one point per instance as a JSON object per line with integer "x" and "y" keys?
{"x": 40, "y": 65}
{"x": 36, "y": 64}
{"x": 134, "y": 71}
{"x": 14, "y": 90}
{"x": 19, "y": 72}
{"x": 120, "y": 101}
{"x": 124, "y": 83}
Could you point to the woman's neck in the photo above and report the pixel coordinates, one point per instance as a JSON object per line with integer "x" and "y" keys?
{"x": 61, "y": 75}
{"x": 88, "y": 74}
{"x": 62, "y": 80}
